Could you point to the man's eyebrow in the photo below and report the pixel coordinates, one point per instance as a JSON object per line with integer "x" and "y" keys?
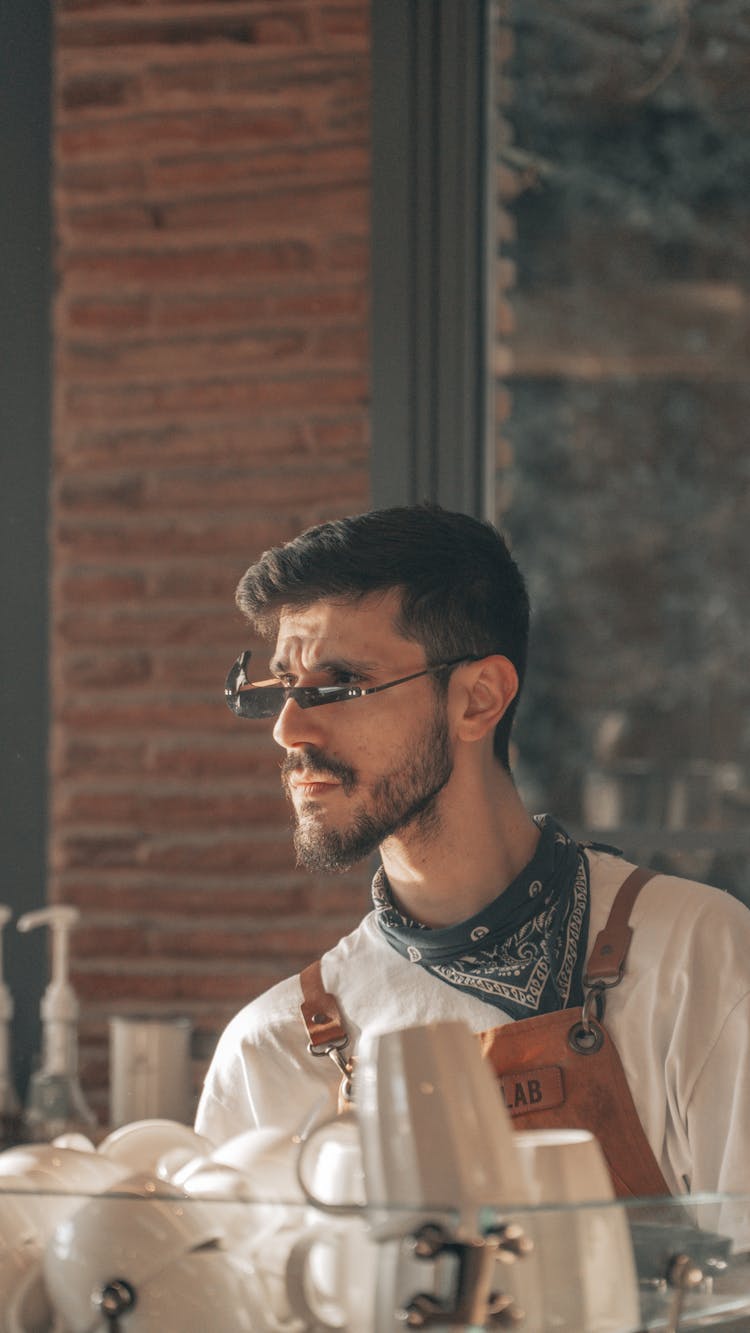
{"x": 279, "y": 667}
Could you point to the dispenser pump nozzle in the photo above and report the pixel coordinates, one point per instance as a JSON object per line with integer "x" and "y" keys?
{"x": 59, "y": 1001}
{"x": 6, "y": 1000}
{"x": 9, "y": 1104}
{"x": 55, "y": 1102}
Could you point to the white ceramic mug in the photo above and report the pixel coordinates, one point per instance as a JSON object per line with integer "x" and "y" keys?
{"x": 132, "y": 1233}
{"x": 331, "y": 1268}
{"x": 438, "y": 1147}
{"x": 24, "y": 1307}
{"x": 50, "y": 1182}
{"x": 195, "y": 1292}
{"x": 435, "y": 1131}
{"x": 584, "y": 1253}
{"x": 142, "y": 1144}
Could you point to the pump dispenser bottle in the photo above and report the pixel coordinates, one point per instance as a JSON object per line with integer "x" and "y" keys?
{"x": 10, "y": 1107}
{"x": 55, "y": 1103}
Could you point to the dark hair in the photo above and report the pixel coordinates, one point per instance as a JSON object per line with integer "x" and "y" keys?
{"x": 461, "y": 590}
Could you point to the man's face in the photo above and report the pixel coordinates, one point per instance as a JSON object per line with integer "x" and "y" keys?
{"x": 358, "y": 772}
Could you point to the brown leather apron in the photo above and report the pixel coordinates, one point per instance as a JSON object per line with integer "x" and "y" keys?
{"x": 560, "y": 1070}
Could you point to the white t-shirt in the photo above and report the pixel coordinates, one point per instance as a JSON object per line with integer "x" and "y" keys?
{"x": 680, "y": 1020}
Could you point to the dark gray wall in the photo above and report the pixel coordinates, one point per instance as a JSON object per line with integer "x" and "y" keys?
{"x": 24, "y": 484}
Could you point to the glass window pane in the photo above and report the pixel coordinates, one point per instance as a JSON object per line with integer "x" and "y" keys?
{"x": 621, "y": 159}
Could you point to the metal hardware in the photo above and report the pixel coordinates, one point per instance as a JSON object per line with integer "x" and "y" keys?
{"x": 593, "y": 1004}
{"x": 586, "y": 1038}
{"x": 421, "y": 1311}
{"x": 333, "y": 1049}
{"x": 476, "y": 1303}
{"x": 512, "y": 1242}
{"x": 114, "y": 1300}
{"x": 337, "y": 1044}
{"x": 684, "y": 1275}
{"x": 346, "y": 1069}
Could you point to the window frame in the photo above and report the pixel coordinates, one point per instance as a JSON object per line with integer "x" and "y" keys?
{"x": 431, "y": 292}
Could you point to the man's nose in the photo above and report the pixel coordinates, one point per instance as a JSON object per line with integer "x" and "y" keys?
{"x": 296, "y": 727}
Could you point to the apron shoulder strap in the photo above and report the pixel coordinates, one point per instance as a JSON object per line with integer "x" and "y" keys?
{"x": 320, "y": 1012}
{"x": 606, "y": 963}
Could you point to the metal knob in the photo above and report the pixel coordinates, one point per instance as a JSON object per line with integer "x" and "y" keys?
{"x": 115, "y": 1299}
{"x": 512, "y": 1242}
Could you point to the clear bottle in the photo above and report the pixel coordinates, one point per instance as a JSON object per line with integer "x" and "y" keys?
{"x": 55, "y": 1103}
{"x": 10, "y": 1107}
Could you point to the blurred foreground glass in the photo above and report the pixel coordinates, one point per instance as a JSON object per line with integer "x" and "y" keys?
{"x": 165, "y": 1261}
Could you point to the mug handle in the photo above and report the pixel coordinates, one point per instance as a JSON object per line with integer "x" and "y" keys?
{"x": 30, "y": 1305}
{"x": 338, "y": 1209}
{"x": 329, "y": 1318}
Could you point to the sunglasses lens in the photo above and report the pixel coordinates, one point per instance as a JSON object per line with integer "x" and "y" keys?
{"x": 263, "y": 701}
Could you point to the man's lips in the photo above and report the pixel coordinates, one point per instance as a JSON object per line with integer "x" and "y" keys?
{"x": 312, "y": 785}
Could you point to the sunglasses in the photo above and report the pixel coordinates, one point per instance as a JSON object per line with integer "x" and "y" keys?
{"x": 266, "y": 698}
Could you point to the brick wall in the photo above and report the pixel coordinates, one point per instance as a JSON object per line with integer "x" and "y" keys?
{"x": 211, "y": 398}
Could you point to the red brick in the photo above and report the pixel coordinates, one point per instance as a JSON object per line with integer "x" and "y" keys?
{"x": 217, "y": 856}
{"x": 153, "y": 810}
{"x": 70, "y": 756}
{"x": 320, "y": 304}
{"x": 102, "y": 90}
{"x": 347, "y": 252}
{"x": 83, "y": 584}
{"x": 173, "y": 131}
{"x": 135, "y": 624}
{"x": 254, "y": 489}
{"x": 101, "y": 493}
{"x": 99, "y": 849}
{"x": 99, "y": 180}
{"x": 177, "y": 359}
{"x": 149, "y": 892}
{"x": 205, "y": 173}
{"x": 194, "y": 582}
{"x": 148, "y": 716}
{"x": 165, "y": 538}
{"x": 212, "y": 210}
{"x": 343, "y": 22}
{"x": 284, "y": 29}
{"x": 86, "y": 270}
{"x": 342, "y": 345}
{"x": 152, "y": 939}
{"x": 194, "y": 669}
{"x": 284, "y": 441}
{"x": 111, "y": 671}
{"x": 89, "y": 403}
{"x": 202, "y": 74}
{"x": 120, "y": 315}
{"x": 107, "y": 986}
{"x": 299, "y": 206}
{"x": 253, "y": 753}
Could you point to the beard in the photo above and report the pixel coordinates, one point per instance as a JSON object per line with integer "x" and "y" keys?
{"x": 405, "y": 796}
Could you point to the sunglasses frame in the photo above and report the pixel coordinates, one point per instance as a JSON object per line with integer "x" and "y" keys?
{"x": 263, "y": 699}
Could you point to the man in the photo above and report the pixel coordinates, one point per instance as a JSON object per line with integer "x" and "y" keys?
{"x": 400, "y": 646}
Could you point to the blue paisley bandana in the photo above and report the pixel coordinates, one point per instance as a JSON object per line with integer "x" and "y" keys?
{"x": 525, "y": 952}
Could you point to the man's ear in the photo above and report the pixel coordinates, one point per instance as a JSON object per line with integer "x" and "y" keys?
{"x": 490, "y": 688}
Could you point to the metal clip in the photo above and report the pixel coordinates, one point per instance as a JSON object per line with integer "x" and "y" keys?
{"x": 593, "y": 1004}
{"x": 476, "y": 1304}
{"x": 684, "y": 1275}
{"x": 346, "y": 1069}
{"x": 333, "y": 1049}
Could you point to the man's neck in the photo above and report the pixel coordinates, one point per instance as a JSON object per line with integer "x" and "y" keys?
{"x": 472, "y": 851}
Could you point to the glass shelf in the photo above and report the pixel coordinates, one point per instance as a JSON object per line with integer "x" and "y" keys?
{"x": 144, "y": 1258}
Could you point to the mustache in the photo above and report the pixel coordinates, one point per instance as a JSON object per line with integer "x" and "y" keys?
{"x": 313, "y": 763}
